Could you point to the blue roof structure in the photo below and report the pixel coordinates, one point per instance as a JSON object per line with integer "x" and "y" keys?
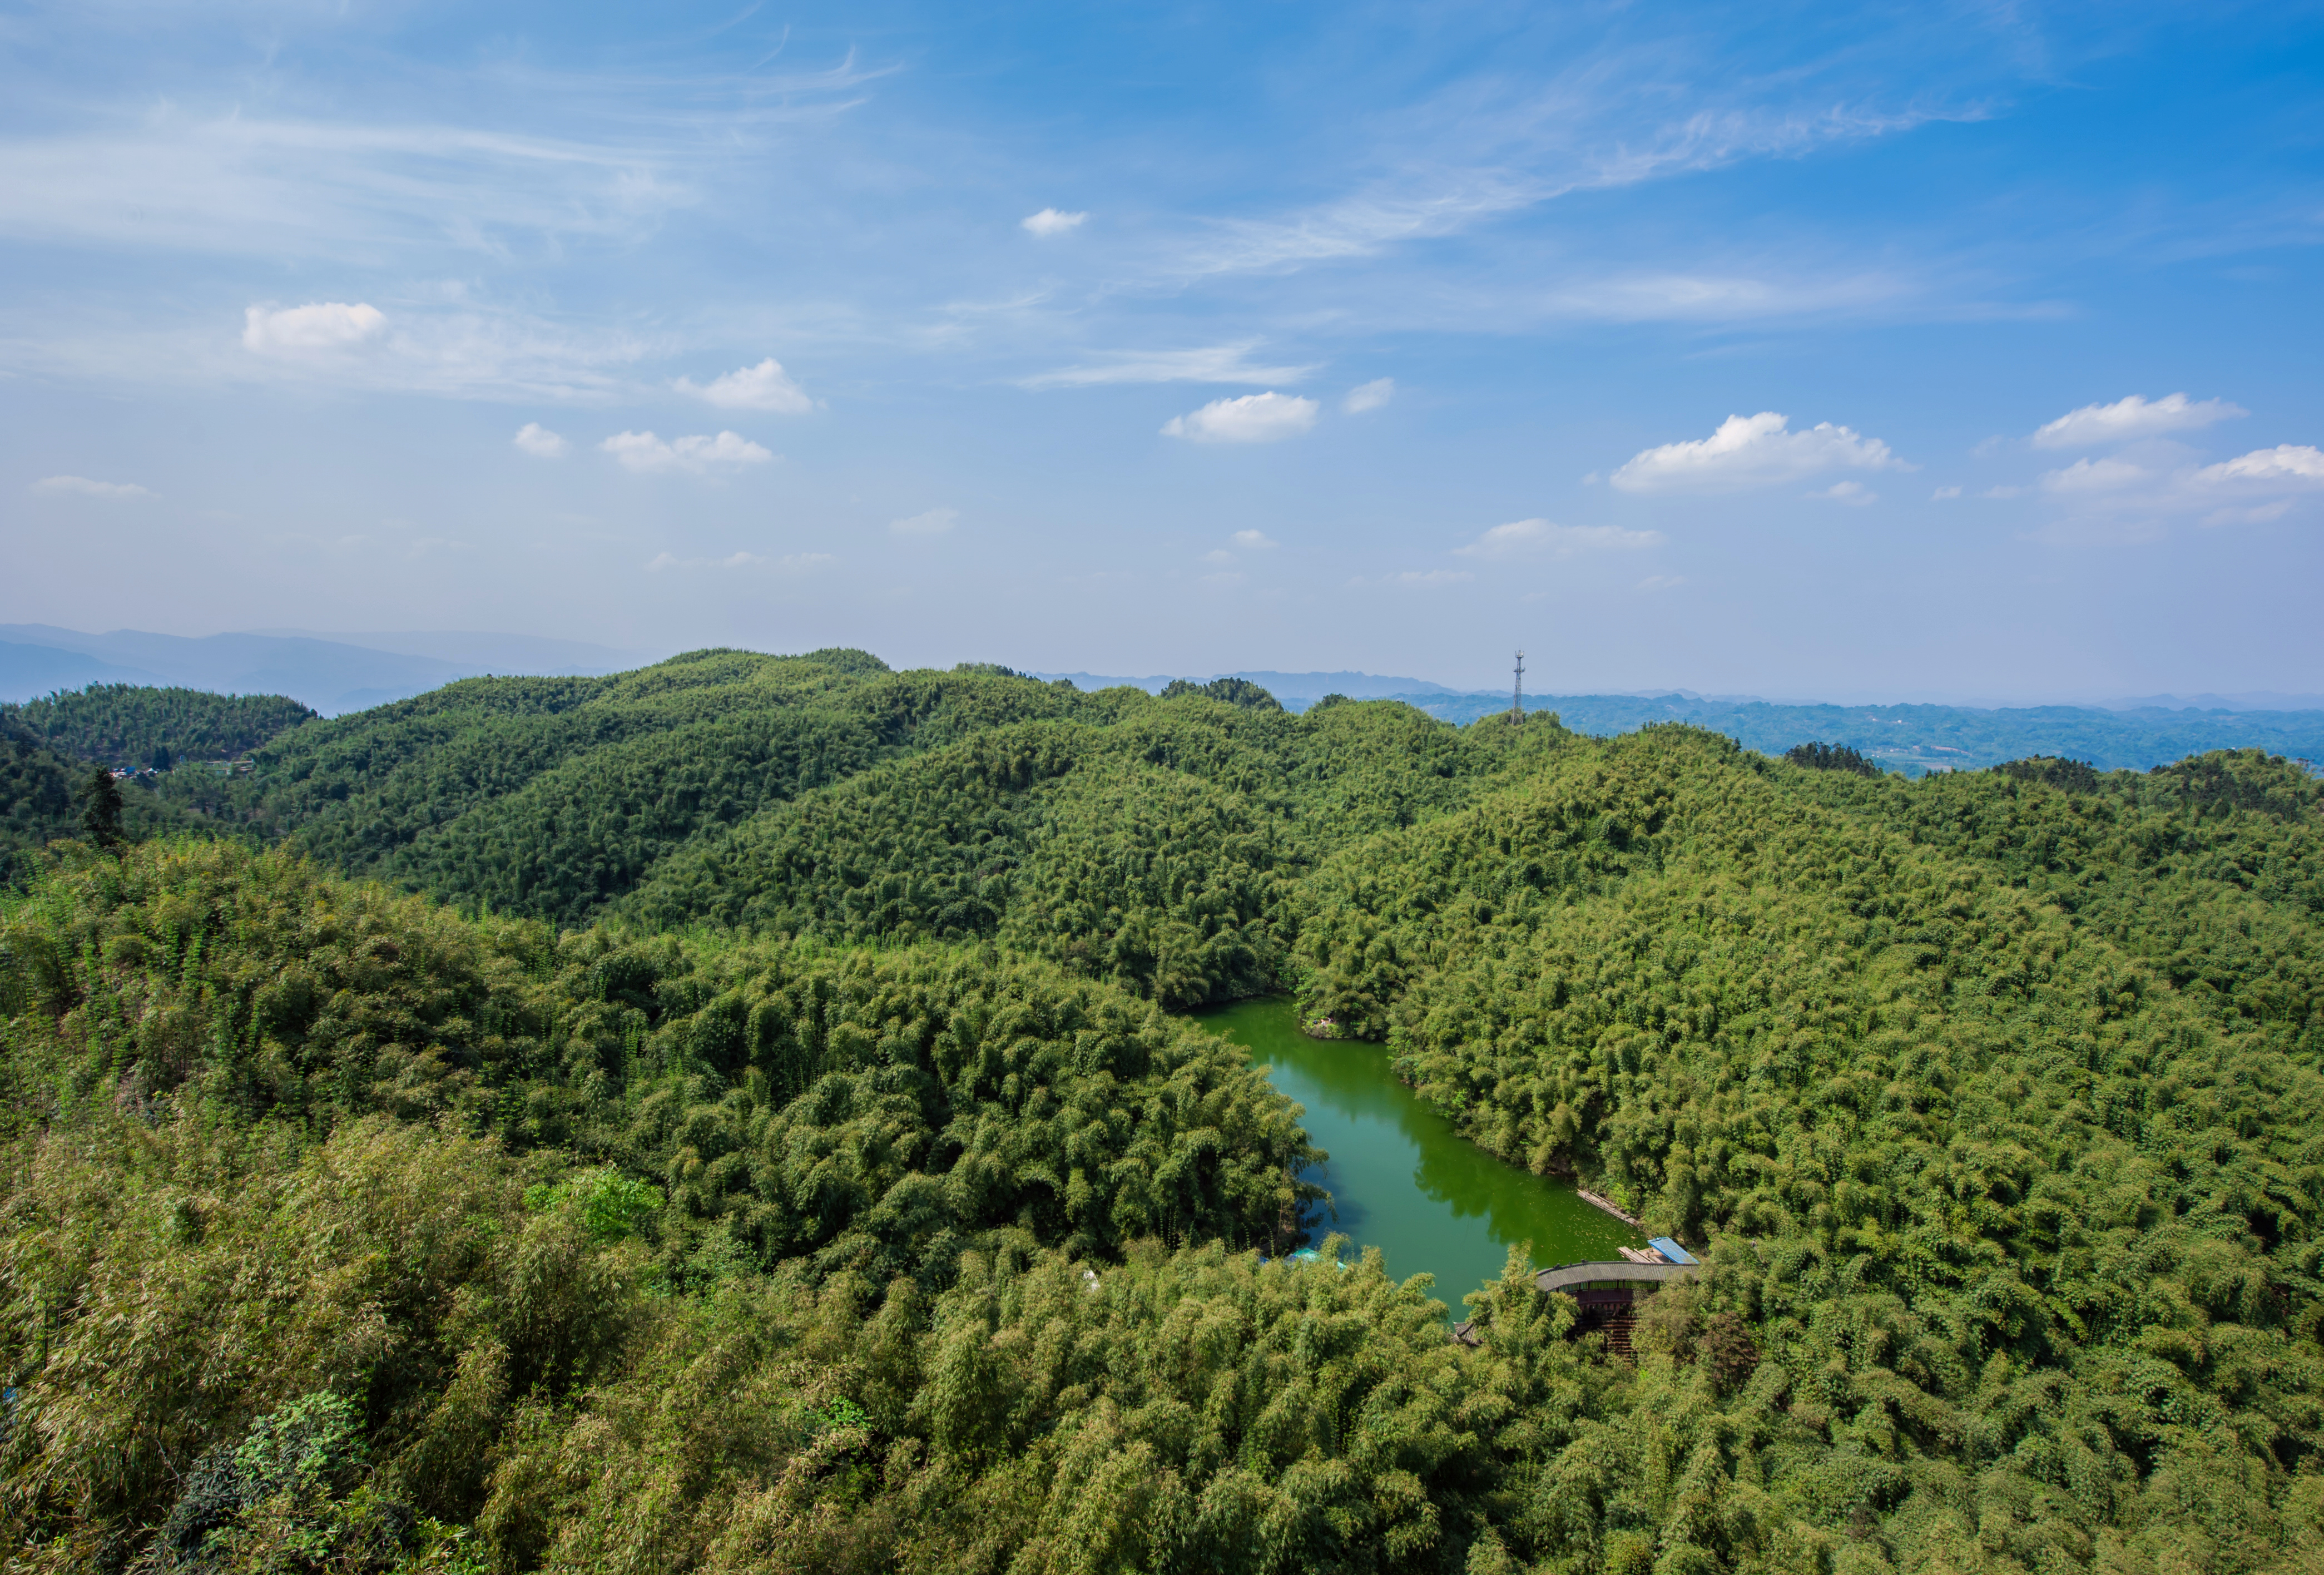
{"x": 1671, "y": 1250}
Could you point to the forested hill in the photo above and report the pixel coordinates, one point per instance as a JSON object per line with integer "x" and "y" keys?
{"x": 555, "y": 798}
{"x": 50, "y": 747}
{"x": 774, "y": 1151}
{"x": 40, "y": 793}
{"x": 128, "y": 726}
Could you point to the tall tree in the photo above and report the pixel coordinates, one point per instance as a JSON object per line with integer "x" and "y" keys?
{"x": 100, "y": 811}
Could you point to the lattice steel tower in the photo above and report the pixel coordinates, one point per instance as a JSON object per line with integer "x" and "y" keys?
{"x": 1517, "y": 697}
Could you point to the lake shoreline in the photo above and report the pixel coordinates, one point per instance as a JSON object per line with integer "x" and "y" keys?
{"x": 1324, "y": 1030}
{"x": 1610, "y": 1207}
{"x": 1402, "y": 1175}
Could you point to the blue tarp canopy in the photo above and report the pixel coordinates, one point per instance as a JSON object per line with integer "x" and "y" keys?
{"x": 1671, "y": 1250}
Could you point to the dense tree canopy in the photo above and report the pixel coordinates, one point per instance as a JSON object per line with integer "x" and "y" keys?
{"x": 765, "y": 1146}
{"x": 1824, "y": 757}
{"x": 42, "y": 797}
{"x": 1233, "y": 691}
{"x": 129, "y": 724}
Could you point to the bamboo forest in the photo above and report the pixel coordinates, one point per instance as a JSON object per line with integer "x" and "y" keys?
{"x": 763, "y": 1113}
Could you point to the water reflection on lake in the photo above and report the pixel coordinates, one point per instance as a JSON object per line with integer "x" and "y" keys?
{"x": 1401, "y": 1179}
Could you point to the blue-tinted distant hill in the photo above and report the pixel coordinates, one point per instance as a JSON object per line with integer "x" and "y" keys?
{"x": 2134, "y": 734}
{"x": 334, "y": 674}
{"x": 28, "y": 670}
{"x": 1917, "y": 739}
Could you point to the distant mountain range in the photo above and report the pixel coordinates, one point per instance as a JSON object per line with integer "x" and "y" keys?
{"x": 2262, "y": 700}
{"x": 337, "y": 673}
{"x": 1918, "y": 739}
{"x": 2133, "y": 733}
{"x": 1300, "y": 690}
{"x": 333, "y": 673}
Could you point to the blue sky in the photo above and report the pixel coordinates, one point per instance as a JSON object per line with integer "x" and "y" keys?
{"x": 1856, "y": 353}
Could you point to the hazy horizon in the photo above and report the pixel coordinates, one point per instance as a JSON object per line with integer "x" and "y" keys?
{"x": 445, "y": 654}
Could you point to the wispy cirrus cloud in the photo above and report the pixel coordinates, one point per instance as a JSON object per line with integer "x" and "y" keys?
{"x": 1528, "y": 538}
{"x": 933, "y": 522}
{"x": 81, "y": 486}
{"x": 2131, "y": 418}
{"x": 239, "y": 184}
{"x": 2094, "y": 476}
{"x": 453, "y": 344}
{"x": 1484, "y": 160}
{"x": 456, "y": 347}
{"x": 1205, "y": 363}
{"x": 1775, "y": 289}
{"x": 226, "y": 179}
{"x": 792, "y": 562}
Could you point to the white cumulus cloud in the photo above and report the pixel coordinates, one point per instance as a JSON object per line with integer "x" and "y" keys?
{"x": 1749, "y": 451}
{"x": 1050, "y": 222}
{"x": 644, "y": 453}
{"x": 328, "y": 324}
{"x": 1852, "y": 493}
{"x": 1260, "y": 417}
{"x": 764, "y": 387}
{"x": 1369, "y": 396}
{"x": 2286, "y": 464}
{"x": 1521, "y": 536}
{"x": 2099, "y": 495}
{"x": 84, "y": 487}
{"x": 539, "y": 441}
{"x": 934, "y": 523}
{"x": 1253, "y": 540}
{"x": 2133, "y": 417}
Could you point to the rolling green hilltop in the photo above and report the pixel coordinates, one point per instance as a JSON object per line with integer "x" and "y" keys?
{"x": 126, "y": 725}
{"x": 731, "y": 1115}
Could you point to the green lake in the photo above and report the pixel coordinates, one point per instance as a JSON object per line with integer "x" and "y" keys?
{"x": 1401, "y": 1178}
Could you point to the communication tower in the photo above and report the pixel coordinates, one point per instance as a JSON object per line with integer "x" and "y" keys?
{"x": 1516, "y": 696}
